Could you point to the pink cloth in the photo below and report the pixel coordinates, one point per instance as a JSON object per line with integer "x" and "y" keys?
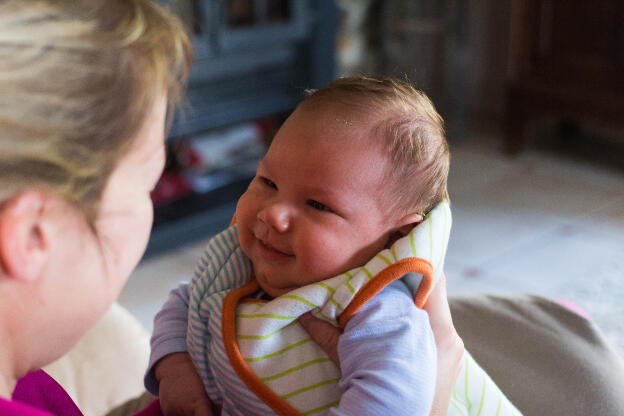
{"x": 41, "y": 393}
{"x": 573, "y": 307}
{"x": 38, "y": 394}
{"x": 13, "y": 408}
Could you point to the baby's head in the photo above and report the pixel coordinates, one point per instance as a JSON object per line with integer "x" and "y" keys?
{"x": 404, "y": 122}
{"x": 355, "y": 167}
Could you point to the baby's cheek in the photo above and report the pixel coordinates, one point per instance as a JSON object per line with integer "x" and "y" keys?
{"x": 243, "y": 214}
{"x": 320, "y": 260}
{"x": 244, "y": 241}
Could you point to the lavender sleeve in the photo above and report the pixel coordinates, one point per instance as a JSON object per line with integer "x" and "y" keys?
{"x": 169, "y": 334}
{"x": 387, "y": 358}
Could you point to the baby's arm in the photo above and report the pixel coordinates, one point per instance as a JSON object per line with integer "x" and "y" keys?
{"x": 169, "y": 334}
{"x": 387, "y": 358}
{"x": 171, "y": 373}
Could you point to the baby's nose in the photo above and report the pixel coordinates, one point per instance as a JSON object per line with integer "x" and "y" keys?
{"x": 277, "y": 216}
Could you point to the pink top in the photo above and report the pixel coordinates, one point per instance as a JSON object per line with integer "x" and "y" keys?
{"x": 37, "y": 394}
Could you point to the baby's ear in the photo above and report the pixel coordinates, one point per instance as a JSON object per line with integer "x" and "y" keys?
{"x": 408, "y": 222}
{"x": 23, "y": 242}
{"x": 403, "y": 226}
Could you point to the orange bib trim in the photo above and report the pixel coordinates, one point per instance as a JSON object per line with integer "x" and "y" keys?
{"x": 387, "y": 276}
{"x": 251, "y": 380}
{"x": 367, "y": 292}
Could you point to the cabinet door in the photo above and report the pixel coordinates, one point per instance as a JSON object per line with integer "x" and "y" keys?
{"x": 249, "y": 24}
{"x": 575, "y": 42}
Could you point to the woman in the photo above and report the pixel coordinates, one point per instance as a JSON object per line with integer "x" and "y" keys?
{"x": 85, "y": 87}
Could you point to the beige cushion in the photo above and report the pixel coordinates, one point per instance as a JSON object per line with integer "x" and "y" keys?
{"x": 106, "y": 367}
{"x": 547, "y": 359}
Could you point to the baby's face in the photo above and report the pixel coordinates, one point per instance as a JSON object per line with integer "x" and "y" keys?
{"x": 313, "y": 210}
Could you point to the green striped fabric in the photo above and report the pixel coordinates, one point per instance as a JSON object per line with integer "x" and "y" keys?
{"x": 279, "y": 351}
{"x": 476, "y": 394}
{"x": 282, "y": 354}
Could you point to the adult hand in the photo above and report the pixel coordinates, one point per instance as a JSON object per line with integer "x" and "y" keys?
{"x": 449, "y": 345}
{"x": 323, "y": 333}
{"x": 181, "y": 389}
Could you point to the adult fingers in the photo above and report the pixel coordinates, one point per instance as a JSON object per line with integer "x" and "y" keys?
{"x": 204, "y": 408}
{"x": 324, "y": 333}
{"x": 437, "y": 307}
{"x": 449, "y": 345}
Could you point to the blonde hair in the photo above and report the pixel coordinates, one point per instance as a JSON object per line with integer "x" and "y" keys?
{"x": 413, "y": 132}
{"x": 77, "y": 81}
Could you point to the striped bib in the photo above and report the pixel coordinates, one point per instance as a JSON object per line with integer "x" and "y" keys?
{"x": 255, "y": 358}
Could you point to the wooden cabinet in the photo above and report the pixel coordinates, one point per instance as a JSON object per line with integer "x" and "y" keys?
{"x": 567, "y": 60}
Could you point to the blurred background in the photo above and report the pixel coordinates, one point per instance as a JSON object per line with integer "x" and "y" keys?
{"x": 532, "y": 92}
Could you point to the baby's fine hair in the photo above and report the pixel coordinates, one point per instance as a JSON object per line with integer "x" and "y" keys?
{"x": 413, "y": 132}
{"x": 77, "y": 82}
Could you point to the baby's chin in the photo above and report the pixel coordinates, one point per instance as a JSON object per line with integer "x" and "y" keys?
{"x": 272, "y": 291}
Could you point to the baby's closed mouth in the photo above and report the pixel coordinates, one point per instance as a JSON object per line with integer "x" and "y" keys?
{"x": 271, "y": 250}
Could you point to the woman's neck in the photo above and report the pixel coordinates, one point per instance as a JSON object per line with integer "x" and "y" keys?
{"x": 9, "y": 350}
{"x": 7, "y": 376}
{"x": 6, "y": 389}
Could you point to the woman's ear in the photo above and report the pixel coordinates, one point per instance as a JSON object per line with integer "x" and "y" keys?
{"x": 24, "y": 248}
{"x": 403, "y": 226}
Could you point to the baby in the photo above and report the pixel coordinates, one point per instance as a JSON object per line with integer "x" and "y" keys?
{"x": 329, "y": 224}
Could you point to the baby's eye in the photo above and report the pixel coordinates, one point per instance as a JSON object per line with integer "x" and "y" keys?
{"x": 318, "y": 206}
{"x": 269, "y": 183}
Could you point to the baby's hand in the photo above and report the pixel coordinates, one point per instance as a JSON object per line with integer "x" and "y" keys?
{"x": 181, "y": 389}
